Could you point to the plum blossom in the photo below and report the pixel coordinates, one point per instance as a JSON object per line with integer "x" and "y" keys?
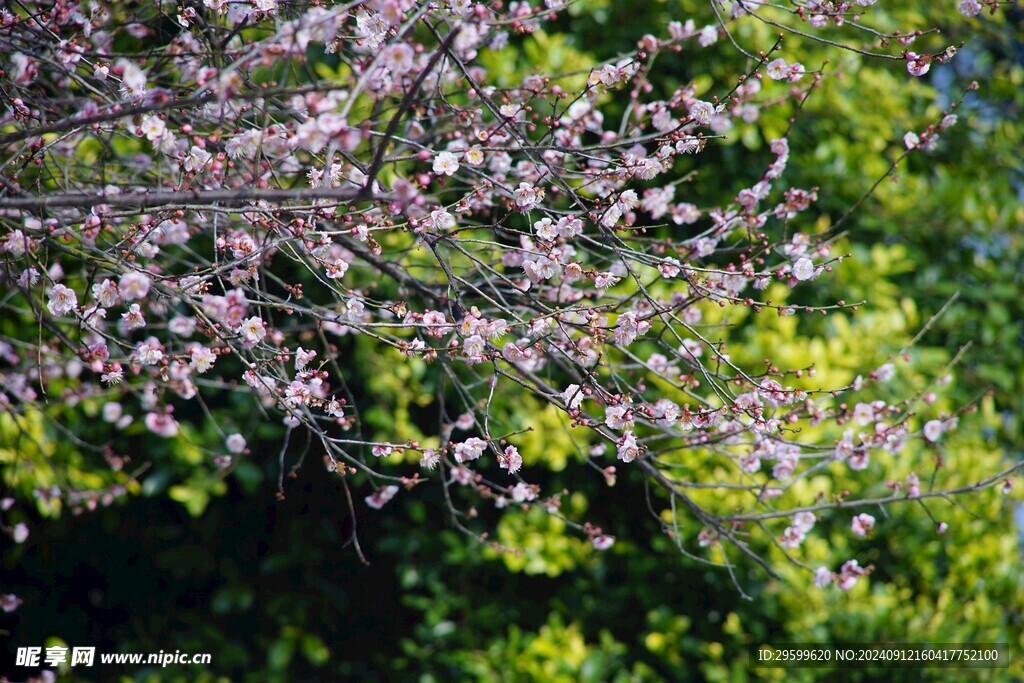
{"x": 862, "y": 524}
{"x": 115, "y": 376}
{"x": 235, "y": 443}
{"x": 708, "y": 36}
{"x": 796, "y": 532}
{"x": 779, "y": 70}
{"x": 933, "y": 430}
{"x": 303, "y": 358}
{"x": 859, "y": 460}
{"x": 523, "y": 493}
{"x": 381, "y": 497}
{"x": 430, "y": 459}
{"x": 970, "y": 8}
{"x": 112, "y": 412}
{"x": 545, "y": 230}
{"x": 913, "y": 485}
{"x": 803, "y": 269}
{"x": 526, "y": 196}
{"x": 9, "y": 602}
{"x": 134, "y": 286}
{"x": 628, "y": 449}
{"x": 335, "y": 408}
{"x": 618, "y": 417}
{"x": 438, "y": 220}
{"x": 399, "y": 59}
{"x": 918, "y": 65}
{"x": 510, "y": 460}
{"x": 470, "y": 449}
{"x": 132, "y": 78}
{"x": 252, "y": 330}
{"x": 132, "y": 319}
{"x": 197, "y": 159}
{"x": 202, "y": 359}
{"x": 822, "y": 577}
{"x": 572, "y": 396}
{"x": 605, "y": 280}
{"x": 436, "y": 323}
{"x": 63, "y": 300}
{"x": 569, "y": 227}
{"x": 540, "y": 269}
{"x": 702, "y": 112}
{"x": 148, "y": 352}
{"x": 885, "y": 372}
{"x": 791, "y": 538}
{"x": 153, "y": 127}
{"x": 106, "y": 293}
{"x": 863, "y": 414}
{"x": 849, "y": 573}
{"x": 161, "y": 424}
{"x": 475, "y": 347}
{"x": 446, "y": 163}
{"x": 804, "y": 521}
{"x": 629, "y": 328}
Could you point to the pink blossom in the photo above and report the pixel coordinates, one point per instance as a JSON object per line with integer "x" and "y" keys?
{"x": 161, "y": 424}
{"x": 701, "y": 112}
{"x": 822, "y": 577}
{"x": 918, "y": 65}
{"x": 470, "y": 449}
{"x": 628, "y": 449}
{"x": 804, "y": 521}
{"x": 848, "y": 574}
{"x": 197, "y": 159}
{"x": 526, "y": 196}
{"x": 63, "y": 300}
{"x": 202, "y": 358}
{"x": 134, "y": 286}
{"x": 862, "y": 524}
{"x": 510, "y": 460}
{"x": 446, "y": 163}
{"x": 618, "y": 417}
{"x": 791, "y": 538}
{"x": 913, "y": 485}
{"x": 148, "y": 352}
{"x": 572, "y": 396}
{"x": 523, "y": 493}
{"x": 970, "y": 8}
{"x": 803, "y": 269}
{"x": 933, "y": 430}
{"x": 776, "y": 69}
{"x": 430, "y": 459}
{"x": 133, "y": 319}
{"x": 252, "y": 330}
{"x": 106, "y": 293}
{"x": 381, "y": 497}
{"x": 9, "y": 602}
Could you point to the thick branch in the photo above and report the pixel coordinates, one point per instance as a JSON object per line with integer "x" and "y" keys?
{"x": 144, "y": 200}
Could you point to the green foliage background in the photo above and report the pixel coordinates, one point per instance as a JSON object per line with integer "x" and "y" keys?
{"x": 197, "y": 562}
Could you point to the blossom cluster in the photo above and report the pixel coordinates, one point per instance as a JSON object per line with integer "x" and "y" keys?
{"x": 516, "y": 239}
